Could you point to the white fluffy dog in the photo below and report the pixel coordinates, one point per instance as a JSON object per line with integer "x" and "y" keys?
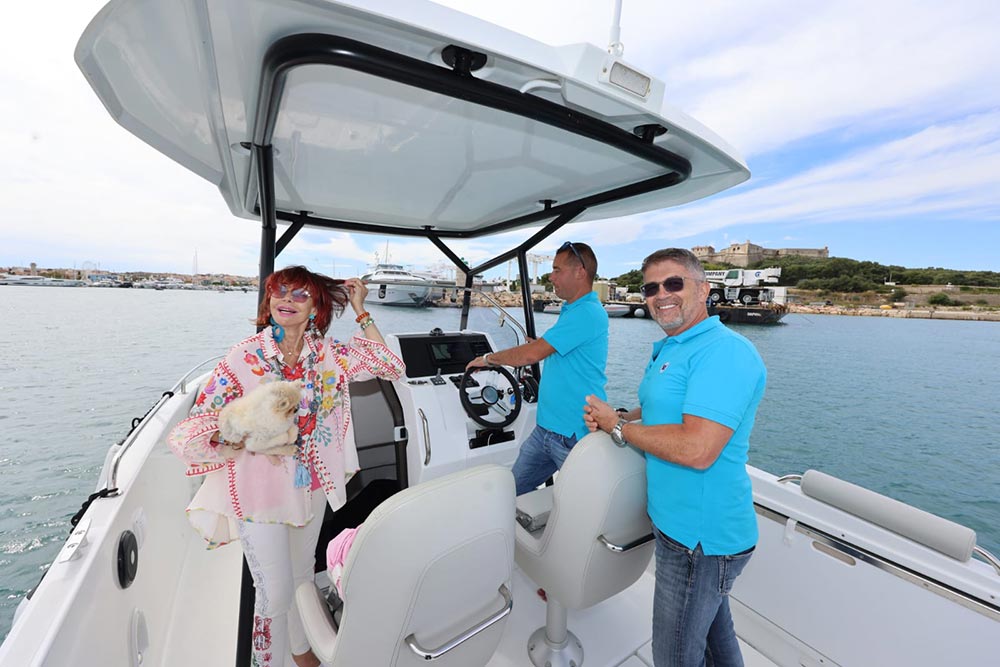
{"x": 264, "y": 419}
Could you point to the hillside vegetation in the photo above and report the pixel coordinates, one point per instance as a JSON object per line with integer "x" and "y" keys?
{"x": 839, "y": 274}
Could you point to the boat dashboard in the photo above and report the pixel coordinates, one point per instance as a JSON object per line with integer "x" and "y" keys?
{"x": 455, "y": 418}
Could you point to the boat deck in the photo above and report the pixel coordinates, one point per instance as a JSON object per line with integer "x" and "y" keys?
{"x": 614, "y": 633}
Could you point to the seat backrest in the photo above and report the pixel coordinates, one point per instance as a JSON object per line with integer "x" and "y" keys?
{"x": 428, "y": 564}
{"x": 600, "y": 491}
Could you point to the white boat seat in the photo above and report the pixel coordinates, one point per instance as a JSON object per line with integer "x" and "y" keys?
{"x": 597, "y": 541}
{"x": 427, "y": 577}
{"x": 932, "y": 531}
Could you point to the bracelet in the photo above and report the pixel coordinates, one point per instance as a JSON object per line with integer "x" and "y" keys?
{"x": 367, "y": 323}
{"x": 362, "y": 316}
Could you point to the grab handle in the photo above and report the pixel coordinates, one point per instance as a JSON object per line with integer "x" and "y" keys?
{"x": 427, "y": 435}
{"x": 623, "y": 548}
{"x": 433, "y": 654}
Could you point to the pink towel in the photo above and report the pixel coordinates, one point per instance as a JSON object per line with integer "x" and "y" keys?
{"x": 336, "y": 554}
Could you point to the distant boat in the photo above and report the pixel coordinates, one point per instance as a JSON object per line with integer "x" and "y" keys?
{"x": 764, "y": 313}
{"x": 39, "y": 281}
{"x": 616, "y": 309}
{"x": 612, "y": 309}
{"x": 392, "y": 285}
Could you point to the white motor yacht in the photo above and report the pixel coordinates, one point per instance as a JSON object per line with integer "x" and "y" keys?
{"x": 393, "y": 285}
{"x": 401, "y": 118}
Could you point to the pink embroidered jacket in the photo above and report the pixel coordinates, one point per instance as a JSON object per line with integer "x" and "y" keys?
{"x": 252, "y": 488}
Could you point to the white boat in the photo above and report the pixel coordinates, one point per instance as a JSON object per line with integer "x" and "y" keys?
{"x": 553, "y": 308}
{"x": 612, "y": 309}
{"x": 39, "y": 281}
{"x": 393, "y": 285}
{"x": 374, "y": 116}
{"x": 617, "y": 309}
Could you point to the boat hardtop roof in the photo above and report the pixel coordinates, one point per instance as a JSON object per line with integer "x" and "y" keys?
{"x": 396, "y": 117}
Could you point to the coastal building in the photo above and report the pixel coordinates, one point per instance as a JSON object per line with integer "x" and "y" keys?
{"x": 745, "y": 254}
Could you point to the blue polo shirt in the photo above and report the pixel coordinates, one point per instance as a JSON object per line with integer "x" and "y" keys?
{"x": 712, "y": 372}
{"x": 580, "y": 338}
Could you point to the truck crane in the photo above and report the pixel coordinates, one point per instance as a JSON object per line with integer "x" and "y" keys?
{"x": 741, "y": 285}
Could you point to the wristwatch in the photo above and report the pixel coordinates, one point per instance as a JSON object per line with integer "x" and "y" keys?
{"x": 616, "y": 433}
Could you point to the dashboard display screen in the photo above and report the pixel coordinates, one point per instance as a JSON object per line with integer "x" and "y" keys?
{"x": 424, "y": 354}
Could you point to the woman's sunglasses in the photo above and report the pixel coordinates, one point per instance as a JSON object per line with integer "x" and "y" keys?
{"x": 299, "y": 294}
{"x": 671, "y": 284}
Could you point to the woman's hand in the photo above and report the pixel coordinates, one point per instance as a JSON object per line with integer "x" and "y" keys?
{"x": 356, "y": 292}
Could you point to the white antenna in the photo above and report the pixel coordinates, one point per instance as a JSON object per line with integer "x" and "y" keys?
{"x": 615, "y": 46}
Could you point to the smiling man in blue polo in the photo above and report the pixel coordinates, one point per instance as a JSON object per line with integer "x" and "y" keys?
{"x": 698, "y": 399}
{"x": 575, "y": 350}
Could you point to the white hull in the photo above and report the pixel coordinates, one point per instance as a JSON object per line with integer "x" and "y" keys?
{"x": 398, "y": 295}
{"x": 616, "y": 310}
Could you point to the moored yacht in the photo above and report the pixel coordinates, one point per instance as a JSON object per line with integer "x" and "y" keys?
{"x": 39, "y": 281}
{"x": 393, "y": 285}
{"x": 344, "y": 105}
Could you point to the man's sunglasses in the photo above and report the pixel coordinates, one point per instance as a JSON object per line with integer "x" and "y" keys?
{"x": 671, "y": 284}
{"x": 569, "y": 246}
{"x": 299, "y": 294}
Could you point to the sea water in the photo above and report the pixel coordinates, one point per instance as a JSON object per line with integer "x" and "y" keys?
{"x": 905, "y": 407}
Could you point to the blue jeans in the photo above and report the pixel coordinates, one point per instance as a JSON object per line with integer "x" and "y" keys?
{"x": 541, "y": 455}
{"x": 692, "y": 625}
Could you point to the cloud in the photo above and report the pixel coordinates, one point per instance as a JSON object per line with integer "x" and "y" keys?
{"x": 837, "y": 66}
{"x": 859, "y": 112}
{"x": 947, "y": 170}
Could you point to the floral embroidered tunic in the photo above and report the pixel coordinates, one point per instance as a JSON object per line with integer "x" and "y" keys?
{"x": 246, "y": 487}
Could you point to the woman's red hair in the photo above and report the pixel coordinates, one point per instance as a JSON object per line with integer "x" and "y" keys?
{"x": 328, "y": 294}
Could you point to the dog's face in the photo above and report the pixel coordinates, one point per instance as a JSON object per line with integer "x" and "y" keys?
{"x": 286, "y": 399}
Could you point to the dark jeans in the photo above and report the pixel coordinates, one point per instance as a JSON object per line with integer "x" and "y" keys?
{"x": 692, "y": 625}
{"x": 541, "y": 454}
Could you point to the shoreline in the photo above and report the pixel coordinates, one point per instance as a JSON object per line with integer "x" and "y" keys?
{"x": 941, "y": 313}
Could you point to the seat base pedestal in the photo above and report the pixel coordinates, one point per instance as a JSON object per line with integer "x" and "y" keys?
{"x": 544, "y": 653}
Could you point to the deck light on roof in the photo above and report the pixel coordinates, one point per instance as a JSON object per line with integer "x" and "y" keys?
{"x": 627, "y": 78}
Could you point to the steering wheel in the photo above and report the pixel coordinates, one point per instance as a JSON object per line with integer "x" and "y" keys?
{"x": 491, "y": 394}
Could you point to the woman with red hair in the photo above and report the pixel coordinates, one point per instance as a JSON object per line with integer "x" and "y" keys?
{"x": 275, "y": 504}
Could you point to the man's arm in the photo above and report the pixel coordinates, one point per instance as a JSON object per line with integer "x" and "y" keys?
{"x": 695, "y": 443}
{"x": 523, "y": 355}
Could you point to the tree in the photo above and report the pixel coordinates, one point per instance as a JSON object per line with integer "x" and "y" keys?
{"x": 631, "y": 280}
{"x": 896, "y": 294}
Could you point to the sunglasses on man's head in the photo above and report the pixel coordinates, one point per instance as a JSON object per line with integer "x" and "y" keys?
{"x": 569, "y": 246}
{"x": 299, "y": 294}
{"x": 671, "y": 284}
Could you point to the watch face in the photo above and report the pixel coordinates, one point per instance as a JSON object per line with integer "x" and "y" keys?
{"x": 616, "y": 433}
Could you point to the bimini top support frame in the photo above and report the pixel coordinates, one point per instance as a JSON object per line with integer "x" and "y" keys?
{"x": 457, "y": 82}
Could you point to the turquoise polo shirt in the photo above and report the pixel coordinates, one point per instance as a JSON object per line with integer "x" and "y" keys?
{"x": 712, "y": 372}
{"x": 576, "y": 368}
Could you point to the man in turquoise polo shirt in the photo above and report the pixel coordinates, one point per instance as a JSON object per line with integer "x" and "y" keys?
{"x": 575, "y": 351}
{"x": 698, "y": 399}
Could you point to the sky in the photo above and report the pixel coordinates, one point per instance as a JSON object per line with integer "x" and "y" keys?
{"x": 870, "y": 128}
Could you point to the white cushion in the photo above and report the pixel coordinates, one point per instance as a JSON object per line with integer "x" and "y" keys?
{"x": 600, "y": 491}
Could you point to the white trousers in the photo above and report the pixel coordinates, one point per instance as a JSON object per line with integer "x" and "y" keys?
{"x": 280, "y": 558}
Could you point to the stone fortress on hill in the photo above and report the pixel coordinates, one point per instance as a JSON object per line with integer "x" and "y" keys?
{"x": 745, "y": 254}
